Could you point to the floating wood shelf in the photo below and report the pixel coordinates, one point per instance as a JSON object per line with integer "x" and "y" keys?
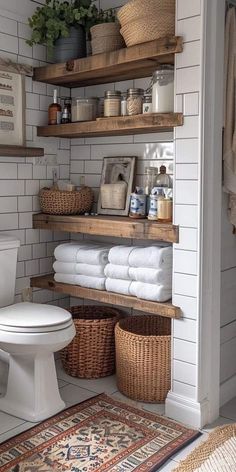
{"x": 128, "y": 63}
{"x": 139, "y": 124}
{"x": 21, "y": 151}
{"x": 47, "y": 282}
{"x": 121, "y": 227}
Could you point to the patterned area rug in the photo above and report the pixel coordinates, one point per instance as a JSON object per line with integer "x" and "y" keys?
{"x": 98, "y": 435}
{"x": 217, "y": 454}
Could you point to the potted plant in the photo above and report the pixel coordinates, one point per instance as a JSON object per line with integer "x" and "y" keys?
{"x": 61, "y": 26}
{"x": 105, "y": 33}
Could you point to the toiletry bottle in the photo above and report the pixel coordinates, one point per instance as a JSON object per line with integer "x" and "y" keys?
{"x": 54, "y": 111}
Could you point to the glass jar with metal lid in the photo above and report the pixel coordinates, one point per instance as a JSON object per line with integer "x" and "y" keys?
{"x": 112, "y": 103}
{"x": 163, "y": 89}
{"x": 135, "y": 101}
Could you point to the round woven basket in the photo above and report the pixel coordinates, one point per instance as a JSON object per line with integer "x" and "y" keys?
{"x": 148, "y": 28}
{"x": 91, "y": 354}
{"x": 106, "y": 37}
{"x": 57, "y": 202}
{"x": 143, "y": 361}
{"x": 135, "y": 9}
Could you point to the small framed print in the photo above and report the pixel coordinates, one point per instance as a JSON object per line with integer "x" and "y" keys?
{"x": 12, "y": 108}
{"x": 116, "y": 185}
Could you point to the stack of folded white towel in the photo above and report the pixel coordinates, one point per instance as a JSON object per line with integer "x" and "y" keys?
{"x": 143, "y": 272}
{"x": 81, "y": 264}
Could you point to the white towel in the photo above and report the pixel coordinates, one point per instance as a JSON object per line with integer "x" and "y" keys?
{"x": 154, "y": 293}
{"x": 85, "y": 253}
{"x": 153, "y": 257}
{"x": 81, "y": 269}
{"x": 151, "y": 276}
{"x": 97, "y": 283}
{"x": 119, "y": 255}
{"x": 118, "y": 286}
{"x": 117, "y": 271}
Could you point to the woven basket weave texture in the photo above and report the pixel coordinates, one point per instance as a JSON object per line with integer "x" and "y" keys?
{"x": 106, "y": 37}
{"x": 57, "y": 202}
{"x": 143, "y": 361}
{"x": 91, "y": 354}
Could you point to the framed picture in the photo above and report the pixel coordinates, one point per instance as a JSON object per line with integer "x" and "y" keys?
{"x": 116, "y": 185}
{"x": 12, "y": 107}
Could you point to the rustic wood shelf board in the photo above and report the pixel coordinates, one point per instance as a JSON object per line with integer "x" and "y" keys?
{"x": 128, "y": 63}
{"x": 139, "y": 124}
{"x": 20, "y": 151}
{"x": 47, "y": 282}
{"x": 122, "y": 227}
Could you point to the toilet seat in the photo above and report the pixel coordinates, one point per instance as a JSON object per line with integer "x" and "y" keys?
{"x": 34, "y": 318}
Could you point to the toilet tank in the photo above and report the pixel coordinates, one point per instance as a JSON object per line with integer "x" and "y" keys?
{"x": 8, "y": 260}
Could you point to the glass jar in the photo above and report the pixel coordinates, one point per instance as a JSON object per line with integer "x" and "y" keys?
{"x": 112, "y": 103}
{"x": 163, "y": 89}
{"x": 163, "y": 180}
{"x": 150, "y": 179}
{"x": 84, "y": 109}
{"x": 164, "y": 209}
{"x": 147, "y": 103}
{"x": 135, "y": 101}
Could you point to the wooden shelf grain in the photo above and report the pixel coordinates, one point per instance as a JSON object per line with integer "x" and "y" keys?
{"x": 163, "y": 309}
{"x": 127, "y": 63}
{"x": 119, "y": 126}
{"x": 20, "y": 151}
{"x": 122, "y": 227}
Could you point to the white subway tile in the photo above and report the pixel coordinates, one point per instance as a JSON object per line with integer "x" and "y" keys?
{"x": 22, "y": 283}
{"x": 25, "y": 204}
{"x": 183, "y": 372}
{"x": 185, "y": 329}
{"x": 20, "y": 269}
{"x": 39, "y": 52}
{"x": 8, "y": 171}
{"x": 93, "y": 167}
{"x": 179, "y": 103}
{"x": 32, "y": 267}
{"x": 24, "y": 171}
{"x": 45, "y": 236}
{"x": 186, "y": 192}
{"x": 186, "y": 171}
{"x": 64, "y": 143}
{"x": 185, "y": 285}
{"x": 80, "y": 152}
{"x": 189, "y": 28}
{"x": 8, "y": 221}
{"x": 25, "y": 220}
{"x": 63, "y": 156}
{"x": 186, "y": 8}
{"x": 36, "y": 206}
{"x": 39, "y": 250}
{"x": 188, "y": 80}
{"x": 185, "y": 350}
{"x": 39, "y": 172}
{"x": 25, "y": 49}
{"x": 190, "y": 128}
{"x": 188, "y": 305}
{"x": 191, "y": 104}
{"x": 36, "y": 118}
{"x": 185, "y": 262}
{"x": 11, "y": 187}
{"x": 184, "y": 390}
{"x": 39, "y": 87}
{"x": 45, "y": 265}
{"x": 77, "y": 167}
{"x": 8, "y": 43}
{"x": 45, "y": 101}
{"x": 186, "y": 215}
{"x": 32, "y": 187}
{"x": 25, "y": 253}
{"x": 187, "y": 151}
{"x": 64, "y": 172}
{"x": 32, "y": 100}
{"x": 191, "y": 55}
{"x": 32, "y": 236}
{"x": 188, "y": 239}
{"x": 24, "y": 31}
{"x": 8, "y": 204}
{"x": 8, "y": 26}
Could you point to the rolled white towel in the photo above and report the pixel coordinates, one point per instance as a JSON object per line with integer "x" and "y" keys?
{"x": 119, "y": 255}
{"x": 85, "y": 253}
{"x": 117, "y": 271}
{"x": 151, "y": 292}
{"x": 77, "y": 268}
{"x": 151, "y": 276}
{"x": 97, "y": 283}
{"x": 153, "y": 257}
{"x": 118, "y": 286}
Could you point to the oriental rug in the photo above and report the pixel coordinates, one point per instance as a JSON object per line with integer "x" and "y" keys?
{"x": 217, "y": 454}
{"x": 98, "y": 435}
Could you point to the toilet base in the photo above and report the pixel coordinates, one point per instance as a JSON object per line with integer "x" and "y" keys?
{"x": 32, "y": 389}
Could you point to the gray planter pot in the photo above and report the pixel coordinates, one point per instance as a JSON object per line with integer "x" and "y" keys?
{"x": 72, "y": 47}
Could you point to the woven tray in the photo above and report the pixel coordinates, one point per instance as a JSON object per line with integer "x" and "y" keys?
{"x": 91, "y": 354}
{"x": 57, "y": 202}
{"x": 143, "y": 361}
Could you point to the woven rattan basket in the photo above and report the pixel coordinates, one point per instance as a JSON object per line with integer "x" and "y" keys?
{"x": 143, "y": 346}
{"x": 135, "y": 9}
{"x": 106, "y": 37}
{"x": 57, "y": 202}
{"x": 91, "y": 354}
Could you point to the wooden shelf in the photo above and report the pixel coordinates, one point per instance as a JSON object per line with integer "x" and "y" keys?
{"x": 128, "y": 63}
{"x": 121, "y": 227}
{"x": 21, "y": 151}
{"x": 120, "y": 126}
{"x": 163, "y": 309}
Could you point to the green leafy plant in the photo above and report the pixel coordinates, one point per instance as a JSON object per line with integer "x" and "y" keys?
{"x": 54, "y": 20}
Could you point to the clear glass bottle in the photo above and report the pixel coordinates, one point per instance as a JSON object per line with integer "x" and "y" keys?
{"x": 163, "y": 180}
{"x": 135, "y": 101}
{"x": 54, "y": 111}
{"x": 66, "y": 112}
{"x": 150, "y": 179}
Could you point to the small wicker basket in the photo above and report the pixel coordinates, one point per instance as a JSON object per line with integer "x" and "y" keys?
{"x": 91, "y": 354}
{"x": 135, "y": 9}
{"x": 106, "y": 37}
{"x": 56, "y": 202}
{"x": 143, "y": 361}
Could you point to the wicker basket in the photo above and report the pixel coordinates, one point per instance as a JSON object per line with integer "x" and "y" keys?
{"x": 57, "y": 202}
{"x": 135, "y": 9}
{"x": 91, "y": 354}
{"x": 106, "y": 37}
{"x": 143, "y": 346}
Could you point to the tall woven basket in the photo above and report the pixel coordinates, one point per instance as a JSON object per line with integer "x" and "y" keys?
{"x": 143, "y": 361}
{"x": 91, "y": 354}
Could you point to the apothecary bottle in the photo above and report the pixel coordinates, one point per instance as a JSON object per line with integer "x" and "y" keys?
{"x": 163, "y": 180}
{"x": 150, "y": 179}
{"x": 54, "y": 111}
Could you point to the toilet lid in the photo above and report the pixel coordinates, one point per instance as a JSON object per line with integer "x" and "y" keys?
{"x": 34, "y": 317}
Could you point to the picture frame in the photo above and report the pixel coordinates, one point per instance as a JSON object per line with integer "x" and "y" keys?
{"x": 12, "y": 105}
{"x": 116, "y": 185}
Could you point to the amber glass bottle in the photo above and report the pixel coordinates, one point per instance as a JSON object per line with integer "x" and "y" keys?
{"x": 54, "y": 111}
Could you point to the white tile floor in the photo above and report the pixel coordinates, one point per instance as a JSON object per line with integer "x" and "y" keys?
{"x": 75, "y": 390}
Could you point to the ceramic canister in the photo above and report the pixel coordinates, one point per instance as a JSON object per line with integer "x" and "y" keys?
{"x": 138, "y": 205}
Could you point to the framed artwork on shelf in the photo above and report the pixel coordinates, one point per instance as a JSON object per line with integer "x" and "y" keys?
{"x": 12, "y": 107}
{"x": 116, "y": 185}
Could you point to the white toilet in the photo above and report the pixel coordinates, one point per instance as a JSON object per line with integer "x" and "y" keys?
{"x": 29, "y": 335}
